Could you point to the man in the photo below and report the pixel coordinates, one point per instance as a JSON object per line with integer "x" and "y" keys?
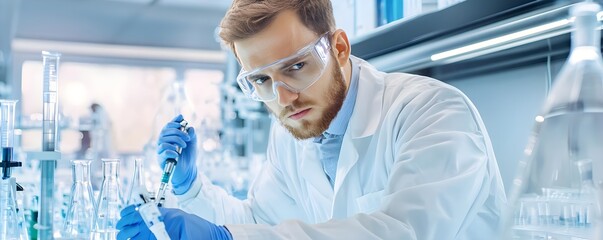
{"x": 357, "y": 153}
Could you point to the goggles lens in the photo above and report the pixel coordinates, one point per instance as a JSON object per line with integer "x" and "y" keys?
{"x": 296, "y": 72}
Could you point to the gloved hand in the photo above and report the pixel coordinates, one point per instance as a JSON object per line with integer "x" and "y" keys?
{"x": 178, "y": 224}
{"x": 185, "y": 171}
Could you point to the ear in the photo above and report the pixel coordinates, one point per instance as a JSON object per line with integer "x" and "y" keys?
{"x": 341, "y": 47}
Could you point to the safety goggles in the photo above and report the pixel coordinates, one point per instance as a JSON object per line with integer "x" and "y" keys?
{"x": 295, "y": 73}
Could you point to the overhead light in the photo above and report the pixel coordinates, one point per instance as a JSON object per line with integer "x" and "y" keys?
{"x": 120, "y": 51}
{"x": 500, "y": 40}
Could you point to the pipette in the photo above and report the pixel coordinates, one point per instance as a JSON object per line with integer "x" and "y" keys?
{"x": 168, "y": 169}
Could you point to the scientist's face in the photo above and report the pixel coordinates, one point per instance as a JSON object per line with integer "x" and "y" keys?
{"x": 308, "y": 113}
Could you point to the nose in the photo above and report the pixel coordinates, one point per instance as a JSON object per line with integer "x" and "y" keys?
{"x": 285, "y": 97}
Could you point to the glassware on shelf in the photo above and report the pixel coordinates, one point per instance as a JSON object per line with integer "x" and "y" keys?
{"x": 109, "y": 202}
{"x": 80, "y": 212}
{"x": 555, "y": 194}
{"x": 138, "y": 181}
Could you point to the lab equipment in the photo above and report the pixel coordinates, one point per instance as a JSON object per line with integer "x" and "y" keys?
{"x": 50, "y": 100}
{"x": 153, "y": 220}
{"x": 7, "y": 125}
{"x": 9, "y": 220}
{"x": 183, "y": 175}
{"x": 236, "y": 160}
{"x": 12, "y": 221}
{"x": 109, "y": 202}
{"x": 295, "y": 73}
{"x": 179, "y": 225}
{"x": 170, "y": 164}
{"x": 149, "y": 212}
{"x": 80, "y": 211}
{"x": 555, "y": 191}
{"x": 174, "y": 101}
{"x": 136, "y": 183}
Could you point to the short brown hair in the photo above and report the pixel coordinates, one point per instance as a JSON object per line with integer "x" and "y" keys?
{"x": 248, "y": 17}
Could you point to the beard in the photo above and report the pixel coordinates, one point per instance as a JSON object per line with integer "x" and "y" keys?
{"x": 335, "y": 96}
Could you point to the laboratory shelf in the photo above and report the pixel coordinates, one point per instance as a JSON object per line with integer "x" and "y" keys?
{"x": 470, "y": 37}
{"x": 458, "y": 18}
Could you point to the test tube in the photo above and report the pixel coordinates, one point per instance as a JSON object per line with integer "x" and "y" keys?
{"x": 7, "y": 129}
{"x": 49, "y": 142}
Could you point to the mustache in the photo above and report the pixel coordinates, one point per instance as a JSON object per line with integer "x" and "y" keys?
{"x": 295, "y": 106}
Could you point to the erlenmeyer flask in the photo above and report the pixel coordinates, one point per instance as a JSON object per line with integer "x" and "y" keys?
{"x": 138, "y": 182}
{"x": 80, "y": 212}
{"x": 555, "y": 191}
{"x": 109, "y": 202}
{"x": 9, "y": 220}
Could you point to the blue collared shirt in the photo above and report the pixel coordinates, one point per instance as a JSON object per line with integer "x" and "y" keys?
{"x": 329, "y": 143}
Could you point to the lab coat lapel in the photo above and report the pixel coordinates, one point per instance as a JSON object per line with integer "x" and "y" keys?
{"x": 348, "y": 157}
{"x": 363, "y": 124}
{"x": 369, "y": 101}
{"x": 319, "y": 188}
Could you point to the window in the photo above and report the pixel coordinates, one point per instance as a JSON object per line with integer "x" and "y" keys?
{"x": 130, "y": 95}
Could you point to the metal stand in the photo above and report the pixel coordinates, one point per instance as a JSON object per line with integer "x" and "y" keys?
{"x": 48, "y": 162}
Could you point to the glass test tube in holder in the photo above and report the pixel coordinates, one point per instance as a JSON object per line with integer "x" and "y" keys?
{"x": 49, "y": 155}
{"x": 11, "y": 220}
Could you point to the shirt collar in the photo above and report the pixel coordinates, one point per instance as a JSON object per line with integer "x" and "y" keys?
{"x": 340, "y": 122}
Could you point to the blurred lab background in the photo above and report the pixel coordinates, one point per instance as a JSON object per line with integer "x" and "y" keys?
{"x": 129, "y": 66}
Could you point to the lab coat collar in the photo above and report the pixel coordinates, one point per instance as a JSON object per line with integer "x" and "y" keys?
{"x": 367, "y": 110}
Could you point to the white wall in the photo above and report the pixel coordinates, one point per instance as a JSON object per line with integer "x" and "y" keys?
{"x": 508, "y": 101}
{"x": 343, "y": 11}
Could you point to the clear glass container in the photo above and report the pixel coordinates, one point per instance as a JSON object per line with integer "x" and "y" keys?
{"x": 109, "y": 202}
{"x": 50, "y": 101}
{"x": 80, "y": 211}
{"x": 138, "y": 182}
{"x": 7, "y": 133}
{"x": 555, "y": 192}
{"x": 10, "y": 222}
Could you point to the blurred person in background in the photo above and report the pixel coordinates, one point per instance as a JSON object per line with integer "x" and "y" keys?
{"x": 101, "y": 141}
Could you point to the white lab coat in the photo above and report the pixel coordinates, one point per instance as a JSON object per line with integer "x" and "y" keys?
{"x": 416, "y": 163}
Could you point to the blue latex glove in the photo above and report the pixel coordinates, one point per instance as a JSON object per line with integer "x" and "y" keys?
{"x": 178, "y": 224}
{"x": 186, "y": 169}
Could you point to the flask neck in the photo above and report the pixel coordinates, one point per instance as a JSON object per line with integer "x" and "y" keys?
{"x": 110, "y": 168}
{"x": 586, "y": 32}
{"x": 81, "y": 171}
{"x": 138, "y": 173}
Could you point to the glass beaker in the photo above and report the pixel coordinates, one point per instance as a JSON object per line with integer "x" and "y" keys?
{"x": 109, "y": 202}
{"x": 80, "y": 212}
{"x": 555, "y": 191}
{"x": 138, "y": 182}
{"x": 7, "y": 129}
